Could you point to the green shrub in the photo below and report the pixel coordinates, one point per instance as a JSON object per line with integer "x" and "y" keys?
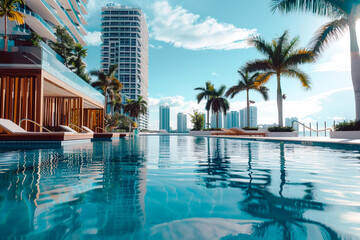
{"x": 280, "y": 129}
{"x": 348, "y": 126}
{"x": 197, "y": 120}
{"x": 250, "y": 128}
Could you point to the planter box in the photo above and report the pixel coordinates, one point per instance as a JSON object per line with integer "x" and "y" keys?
{"x": 345, "y": 134}
{"x": 282, "y": 134}
{"x": 200, "y": 133}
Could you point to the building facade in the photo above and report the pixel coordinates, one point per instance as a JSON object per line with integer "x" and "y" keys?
{"x": 41, "y": 16}
{"x": 253, "y": 117}
{"x": 34, "y": 82}
{"x": 232, "y": 119}
{"x": 164, "y": 118}
{"x": 181, "y": 123}
{"x": 289, "y": 123}
{"x": 213, "y": 120}
{"x": 124, "y": 36}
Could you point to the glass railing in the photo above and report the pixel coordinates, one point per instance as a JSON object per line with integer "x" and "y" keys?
{"x": 58, "y": 18}
{"x": 60, "y": 71}
{"x": 37, "y": 16}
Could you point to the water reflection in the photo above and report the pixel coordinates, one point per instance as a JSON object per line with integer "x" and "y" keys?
{"x": 283, "y": 217}
{"x": 92, "y": 190}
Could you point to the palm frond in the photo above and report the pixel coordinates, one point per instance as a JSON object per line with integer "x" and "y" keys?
{"x": 327, "y": 33}
{"x": 299, "y": 57}
{"x": 303, "y": 77}
{"x": 329, "y": 8}
{"x": 261, "y": 45}
{"x": 263, "y": 78}
{"x": 264, "y": 92}
{"x": 258, "y": 65}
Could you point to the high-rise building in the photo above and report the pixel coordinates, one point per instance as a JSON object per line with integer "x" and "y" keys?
{"x": 181, "y": 122}
{"x": 213, "y": 120}
{"x": 204, "y": 122}
{"x": 52, "y": 93}
{"x": 125, "y": 39}
{"x": 164, "y": 118}
{"x": 253, "y": 117}
{"x": 289, "y": 123}
{"x": 41, "y": 16}
{"x": 232, "y": 119}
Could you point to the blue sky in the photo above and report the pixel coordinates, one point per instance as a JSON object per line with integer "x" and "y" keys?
{"x": 192, "y": 42}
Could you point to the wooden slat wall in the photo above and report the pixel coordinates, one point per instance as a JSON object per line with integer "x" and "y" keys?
{"x": 62, "y": 111}
{"x": 20, "y": 97}
{"x": 94, "y": 118}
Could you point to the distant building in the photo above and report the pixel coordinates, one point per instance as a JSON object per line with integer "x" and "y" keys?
{"x": 232, "y": 119}
{"x": 213, "y": 120}
{"x": 288, "y": 123}
{"x": 164, "y": 118}
{"x": 181, "y": 122}
{"x": 253, "y": 117}
{"x": 204, "y": 122}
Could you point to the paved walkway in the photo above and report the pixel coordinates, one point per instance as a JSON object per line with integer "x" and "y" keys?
{"x": 301, "y": 140}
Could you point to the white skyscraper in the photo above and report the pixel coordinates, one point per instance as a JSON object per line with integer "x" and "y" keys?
{"x": 288, "y": 123}
{"x": 232, "y": 119}
{"x": 213, "y": 120}
{"x": 181, "y": 122}
{"x": 253, "y": 117}
{"x": 125, "y": 39}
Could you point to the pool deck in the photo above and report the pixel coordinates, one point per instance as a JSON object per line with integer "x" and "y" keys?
{"x": 301, "y": 140}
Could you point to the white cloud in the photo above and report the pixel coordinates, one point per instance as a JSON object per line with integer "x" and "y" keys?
{"x": 339, "y": 62}
{"x": 214, "y": 74}
{"x": 182, "y": 28}
{"x": 156, "y": 47}
{"x": 93, "y": 38}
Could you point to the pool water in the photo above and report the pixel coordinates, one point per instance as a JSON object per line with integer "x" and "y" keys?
{"x": 180, "y": 187}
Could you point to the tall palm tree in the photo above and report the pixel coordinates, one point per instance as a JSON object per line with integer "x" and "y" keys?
{"x": 8, "y": 10}
{"x": 247, "y": 83}
{"x": 115, "y": 98}
{"x": 205, "y": 93}
{"x": 344, "y": 15}
{"x": 282, "y": 59}
{"x": 136, "y": 107}
{"x": 105, "y": 82}
{"x": 76, "y": 60}
{"x": 217, "y": 103}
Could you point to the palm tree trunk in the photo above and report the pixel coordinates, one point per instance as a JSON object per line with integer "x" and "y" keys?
{"x": 355, "y": 63}
{"x": 248, "y": 108}
{"x": 105, "y": 94}
{"x": 5, "y": 37}
{"x": 279, "y": 102}
{"x": 208, "y": 117}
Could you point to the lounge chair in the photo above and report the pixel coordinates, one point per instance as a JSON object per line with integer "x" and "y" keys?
{"x": 14, "y": 132}
{"x": 68, "y": 129}
{"x": 87, "y": 129}
{"x": 240, "y": 131}
{"x": 224, "y": 131}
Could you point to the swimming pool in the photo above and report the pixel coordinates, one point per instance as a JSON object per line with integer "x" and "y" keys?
{"x": 180, "y": 187}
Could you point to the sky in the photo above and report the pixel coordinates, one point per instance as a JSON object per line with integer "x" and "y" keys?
{"x": 191, "y": 42}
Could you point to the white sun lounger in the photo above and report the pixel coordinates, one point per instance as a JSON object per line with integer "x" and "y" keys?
{"x": 87, "y": 129}
{"x": 68, "y": 129}
{"x": 10, "y": 127}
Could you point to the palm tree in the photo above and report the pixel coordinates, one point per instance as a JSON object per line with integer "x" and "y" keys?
{"x": 205, "y": 93}
{"x": 76, "y": 60}
{"x": 106, "y": 81}
{"x": 8, "y": 10}
{"x": 217, "y": 103}
{"x": 136, "y": 107}
{"x": 282, "y": 59}
{"x": 344, "y": 15}
{"x": 115, "y": 98}
{"x": 247, "y": 83}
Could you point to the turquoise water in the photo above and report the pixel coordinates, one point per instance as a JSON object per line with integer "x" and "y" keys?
{"x": 179, "y": 187}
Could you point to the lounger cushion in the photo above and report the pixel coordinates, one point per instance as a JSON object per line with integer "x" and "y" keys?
{"x": 10, "y": 127}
